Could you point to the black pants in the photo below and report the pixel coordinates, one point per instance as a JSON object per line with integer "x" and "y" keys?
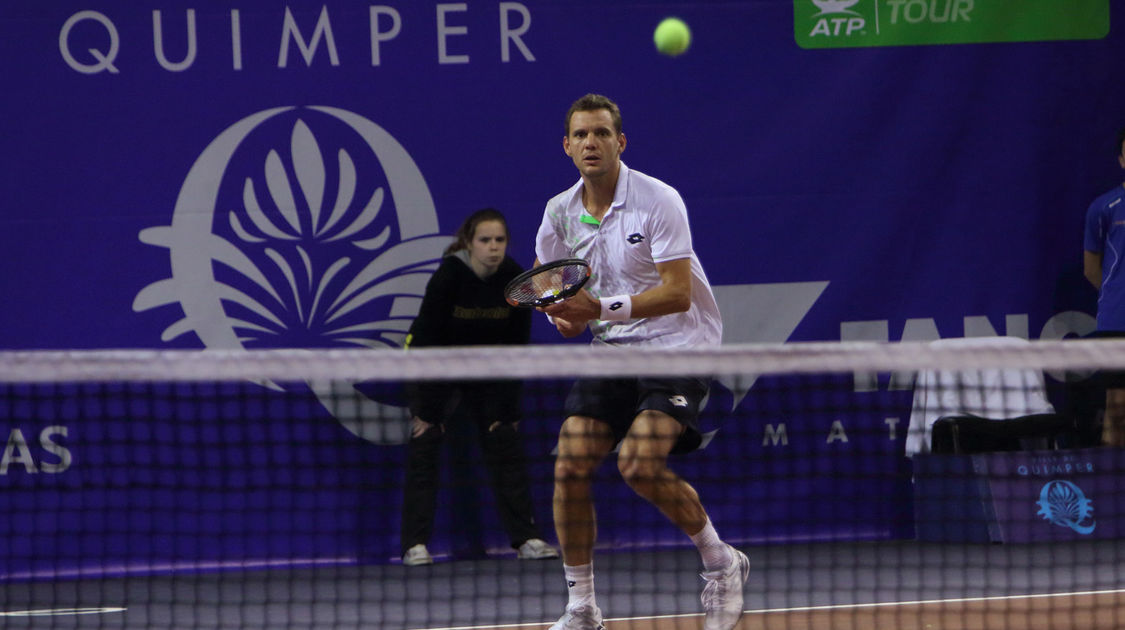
{"x": 485, "y": 403}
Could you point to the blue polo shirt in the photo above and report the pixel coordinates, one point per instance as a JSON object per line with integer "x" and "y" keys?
{"x": 1105, "y": 235}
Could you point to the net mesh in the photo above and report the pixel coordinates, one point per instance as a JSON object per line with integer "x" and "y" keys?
{"x": 957, "y": 484}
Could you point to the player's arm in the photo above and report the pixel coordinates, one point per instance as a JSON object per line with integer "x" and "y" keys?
{"x": 1092, "y": 268}
{"x": 672, "y": 295}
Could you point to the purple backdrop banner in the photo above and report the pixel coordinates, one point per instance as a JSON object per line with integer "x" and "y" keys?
{"x": 259, "y": 175}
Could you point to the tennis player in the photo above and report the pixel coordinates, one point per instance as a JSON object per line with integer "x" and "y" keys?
{"x": 464, "y": 305}
{"x": 1104, "y": 244}
{"x": 647, "y": 288}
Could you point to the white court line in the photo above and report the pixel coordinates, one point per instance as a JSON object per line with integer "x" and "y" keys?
{"x": 61, "y": 612}
{"x": 766, "y": 611}
{"x": 177, "y": 567}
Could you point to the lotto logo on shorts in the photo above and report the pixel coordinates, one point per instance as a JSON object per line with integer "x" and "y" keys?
{"x": 678, "y": 401}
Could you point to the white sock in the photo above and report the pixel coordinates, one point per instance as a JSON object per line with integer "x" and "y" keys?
{"x": 715, "y": 553}
{"x": 580, "y": 585}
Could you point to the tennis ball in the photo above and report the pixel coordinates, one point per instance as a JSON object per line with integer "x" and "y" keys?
{"x": 672, "y": 36}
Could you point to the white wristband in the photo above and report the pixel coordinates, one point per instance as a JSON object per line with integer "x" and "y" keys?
{"x": 617, "y": 308}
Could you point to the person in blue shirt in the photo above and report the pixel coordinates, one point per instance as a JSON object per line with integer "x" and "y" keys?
{"x": 1104, "y": 245}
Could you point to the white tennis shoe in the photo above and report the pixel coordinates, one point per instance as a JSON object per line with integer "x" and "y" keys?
{"x": 722, "y": 596}
{"x": 580, "y": 618}
{"x": 417, "y": 555}
{"x": 536, "y": 549}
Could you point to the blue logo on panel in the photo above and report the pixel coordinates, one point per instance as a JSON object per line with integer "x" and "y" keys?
{"x": 1064, "y": 504}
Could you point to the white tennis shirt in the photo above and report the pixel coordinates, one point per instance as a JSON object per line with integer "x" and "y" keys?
{"x": 646, "y": 224}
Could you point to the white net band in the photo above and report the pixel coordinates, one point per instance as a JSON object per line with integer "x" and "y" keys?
{"x": 547, "y": 361}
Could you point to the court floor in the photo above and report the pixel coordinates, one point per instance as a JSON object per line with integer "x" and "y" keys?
{"x": 879, "y": 585}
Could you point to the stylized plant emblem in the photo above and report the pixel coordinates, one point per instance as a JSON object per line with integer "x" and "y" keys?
{"x": 303, "y": 253}
{"x": 1063, "y": 503}
{"x": 272, "y": 244}
{"x": 294, "y": 223}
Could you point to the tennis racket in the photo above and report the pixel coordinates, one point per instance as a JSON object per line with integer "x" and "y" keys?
{"x": 548, "y": 283}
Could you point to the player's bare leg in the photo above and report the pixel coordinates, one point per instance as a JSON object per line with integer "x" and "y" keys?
{"x": 583, "y": 444}
{"x": 1113, "y": 423}
{"x": 643, "y": 460}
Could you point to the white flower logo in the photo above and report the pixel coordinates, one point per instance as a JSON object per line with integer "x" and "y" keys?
{"x": 324, "y": 239}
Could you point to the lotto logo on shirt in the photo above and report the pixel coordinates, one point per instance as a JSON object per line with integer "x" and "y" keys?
{"x": 635, "y": 237}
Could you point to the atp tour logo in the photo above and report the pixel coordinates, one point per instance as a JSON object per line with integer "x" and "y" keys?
{"x": 836, "y": 18}
{"x": 1064, "y": 504}
{"x": 301, "y": 228}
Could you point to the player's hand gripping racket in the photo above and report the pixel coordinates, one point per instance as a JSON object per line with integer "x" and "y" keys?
{"x": 548, "y": 283}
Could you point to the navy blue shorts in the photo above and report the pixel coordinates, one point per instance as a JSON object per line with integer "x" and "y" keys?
{"x": 617, "y": 401}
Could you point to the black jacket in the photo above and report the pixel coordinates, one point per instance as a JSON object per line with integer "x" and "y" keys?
{"x": 460, "y": 309}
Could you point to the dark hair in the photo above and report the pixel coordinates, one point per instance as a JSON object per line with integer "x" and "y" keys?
{"x": 592, "y": 103}
{"x": 464, "y": 237}
{"x": 1119, "y": 150}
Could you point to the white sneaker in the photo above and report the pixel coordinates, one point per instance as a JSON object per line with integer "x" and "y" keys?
{"x": 580, "y": 618}
{"x": 536, "y": 549}
{"x": 417, "y": 556}
{"x": 722, "y": 596}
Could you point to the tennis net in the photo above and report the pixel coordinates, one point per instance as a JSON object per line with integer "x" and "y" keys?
{"x": 955, "y": 484}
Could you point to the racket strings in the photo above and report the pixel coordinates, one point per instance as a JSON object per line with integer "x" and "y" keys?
{"x": 548, "y": 284}
{"x": 542, "y": 286}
